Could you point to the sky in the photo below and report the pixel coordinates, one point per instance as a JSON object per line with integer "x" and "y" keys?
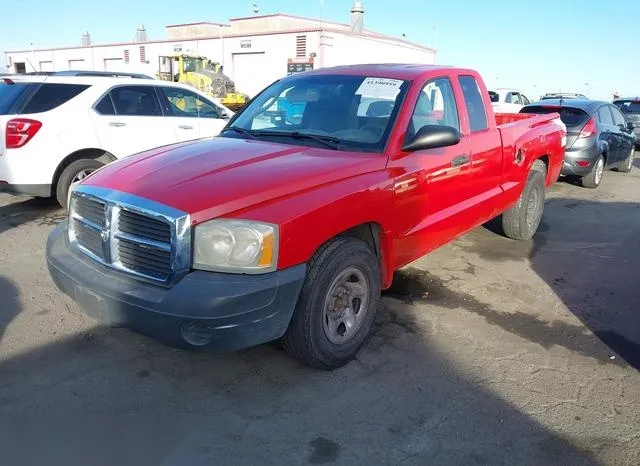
{"x": 535, "y": 45}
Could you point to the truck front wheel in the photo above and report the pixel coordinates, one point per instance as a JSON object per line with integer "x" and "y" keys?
{"x": 337, "y": 304}
{"x": 522, "y": 220}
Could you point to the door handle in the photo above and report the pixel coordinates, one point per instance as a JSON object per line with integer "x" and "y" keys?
{"x": 459, "y": 160}
{"x": 185, "y": 127}
{"x": 117, "y": 124}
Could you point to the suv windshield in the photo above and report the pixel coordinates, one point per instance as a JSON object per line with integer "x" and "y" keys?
{"x": 351, "y": 112}
{"x": 571, "y": 117}
{"x": 628, "y": 106}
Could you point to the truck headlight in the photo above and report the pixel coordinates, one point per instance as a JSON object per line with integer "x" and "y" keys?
{"x": 235, "y": 246}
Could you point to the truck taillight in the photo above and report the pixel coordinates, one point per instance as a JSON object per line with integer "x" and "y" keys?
{"x": 19, "y": 131}
{"x": 589, "y": 129}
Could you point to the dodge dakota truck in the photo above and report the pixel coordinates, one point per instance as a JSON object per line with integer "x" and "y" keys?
{"x": 287, "y": 227}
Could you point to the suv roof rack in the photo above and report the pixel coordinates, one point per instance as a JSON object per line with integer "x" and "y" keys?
{"x": 566, "y": 95}
{"x": 107, "y": 74}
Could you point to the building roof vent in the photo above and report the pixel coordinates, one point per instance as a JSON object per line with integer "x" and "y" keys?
{"x": 85, "y": 40}
{"x": 357, "y": 16}
{"x": 141, "y": 33}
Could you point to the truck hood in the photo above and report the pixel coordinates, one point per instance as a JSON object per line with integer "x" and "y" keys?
{"x": 213, "y": 177}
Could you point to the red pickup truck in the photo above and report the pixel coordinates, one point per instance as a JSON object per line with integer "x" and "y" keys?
{"x": 291, "y": 222}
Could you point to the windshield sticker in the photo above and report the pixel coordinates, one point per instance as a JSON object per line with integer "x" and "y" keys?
{"x": 380, "y": 87}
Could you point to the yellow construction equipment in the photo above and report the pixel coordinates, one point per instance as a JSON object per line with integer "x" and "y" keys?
{"x": 203, "y": 74}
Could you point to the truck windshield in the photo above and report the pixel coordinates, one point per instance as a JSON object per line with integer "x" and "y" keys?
{"x": 355, "y": 113}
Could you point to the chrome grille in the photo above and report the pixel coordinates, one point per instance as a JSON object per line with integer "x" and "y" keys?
{"x": 131, "y": 234}
{"x": 88, "y": 237}
{"x": 145, "y": 227}
{"x": 142, "y": 258}
{"x": 92, "y": 210}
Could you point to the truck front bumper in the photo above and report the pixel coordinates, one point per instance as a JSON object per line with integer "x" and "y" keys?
{"x": 205, "y": 310}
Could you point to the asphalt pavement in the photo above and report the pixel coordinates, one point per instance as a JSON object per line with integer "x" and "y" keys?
{"x": 488, "y": 351}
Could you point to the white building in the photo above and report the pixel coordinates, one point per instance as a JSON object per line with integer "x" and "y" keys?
{"x": 254, "y": 51}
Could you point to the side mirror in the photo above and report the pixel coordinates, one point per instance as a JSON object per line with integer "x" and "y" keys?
{"x": 431, "y": 137}
{"x": 630, "y": 126}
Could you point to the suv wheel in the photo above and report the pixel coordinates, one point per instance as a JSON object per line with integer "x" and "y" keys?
{"x": 75, "y": 172}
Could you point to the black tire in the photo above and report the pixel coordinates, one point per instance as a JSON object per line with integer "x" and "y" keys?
{"x": 594, "y": 178}
{"x": 522, "y": 220}
{"x": 306, "y": 338}
{"x": 69, "y": 174}
{"x": 627, "y": 165}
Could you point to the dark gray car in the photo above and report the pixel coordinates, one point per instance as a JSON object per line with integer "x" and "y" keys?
{"x": 630, "y": 107}
{"x": 598, "y": 137}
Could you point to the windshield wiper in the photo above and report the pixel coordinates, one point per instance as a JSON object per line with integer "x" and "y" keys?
{"x": 329, "y": 141}
{"x": 237, "y": 129}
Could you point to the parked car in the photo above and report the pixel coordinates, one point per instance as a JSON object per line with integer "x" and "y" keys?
{"x": 55, "y": 129}
{"x": 598, "y": 137}
{"x": 291, "y": 231}
{"x": 563, "y": 95}
{"x": 630, "y": 108}
{"x": 506, "y": 100}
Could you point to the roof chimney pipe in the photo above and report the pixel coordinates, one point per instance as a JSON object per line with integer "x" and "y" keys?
{"x": 357, "y": 16}
{"x": 85, "y": 40}
{"x": 141, "y": 33}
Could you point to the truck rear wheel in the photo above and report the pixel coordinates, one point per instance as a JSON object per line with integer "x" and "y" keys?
{"x": 337, "y": 304}
{"x": 522, "y": 220}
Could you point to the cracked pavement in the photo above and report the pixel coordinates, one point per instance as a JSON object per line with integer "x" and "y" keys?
{"x": 488, "y": 351}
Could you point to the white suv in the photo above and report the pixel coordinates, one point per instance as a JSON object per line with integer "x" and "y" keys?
{"x": 56, "y": 129}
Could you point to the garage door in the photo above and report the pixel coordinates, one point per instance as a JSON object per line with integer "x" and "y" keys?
{"x": 46, "y": 66}
{"x": 113, "y": 64}
{"x": 76, "y": 64}
{"x": 249, "y": 72}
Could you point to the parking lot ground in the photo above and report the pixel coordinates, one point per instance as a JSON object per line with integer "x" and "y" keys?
{"x": 488, "y": 351}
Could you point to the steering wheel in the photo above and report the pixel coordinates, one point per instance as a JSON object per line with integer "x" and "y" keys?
{"x": 375, "y": 130}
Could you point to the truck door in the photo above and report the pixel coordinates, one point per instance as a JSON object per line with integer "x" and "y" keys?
{"x": 430, "y": 186}
{"x": 483, "y": 188}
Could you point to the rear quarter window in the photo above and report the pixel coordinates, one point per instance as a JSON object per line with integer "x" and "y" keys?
{"x": 12, "y": 94}
{"x": 474, "y": 103}
{"x": 50, "y": 96}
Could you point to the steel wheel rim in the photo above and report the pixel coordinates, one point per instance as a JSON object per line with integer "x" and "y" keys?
{"x": 599, "y": 170}
{"x": 346, "y": 305}
{"x": 81, "y": 175}
{"x": 533, "y": 207}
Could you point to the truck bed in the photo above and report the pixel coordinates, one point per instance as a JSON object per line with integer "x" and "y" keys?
{"x": 523, "y": 135}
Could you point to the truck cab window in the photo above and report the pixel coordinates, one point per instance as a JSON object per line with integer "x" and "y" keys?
{"x": 474, "y": 103}
{"x": 436, "y": 105}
